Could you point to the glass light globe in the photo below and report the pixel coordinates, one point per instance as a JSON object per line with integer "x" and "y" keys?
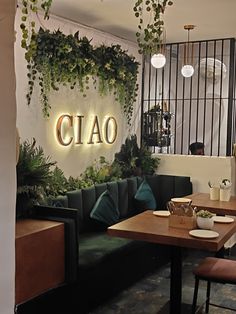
{"x": 187, "y": 70}
{"x": 158, "y": 60}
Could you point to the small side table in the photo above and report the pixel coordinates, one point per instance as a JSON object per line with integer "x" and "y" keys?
{"x": 40, "y": 257}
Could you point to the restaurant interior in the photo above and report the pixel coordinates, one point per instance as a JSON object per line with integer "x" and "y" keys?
{"x": 102, "y": 192}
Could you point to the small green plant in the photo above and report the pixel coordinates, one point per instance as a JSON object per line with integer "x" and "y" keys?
{"x": 204, "y": 214}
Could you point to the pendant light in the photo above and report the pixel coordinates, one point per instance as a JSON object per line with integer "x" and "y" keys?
{"x": 158, "y": 59}
{"x": 188, "y": 69}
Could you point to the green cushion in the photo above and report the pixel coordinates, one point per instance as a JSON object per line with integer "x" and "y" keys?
{"x": 105, "y": 210}
{"x": 145, "y": 196}
{"x": 95, "y": 247}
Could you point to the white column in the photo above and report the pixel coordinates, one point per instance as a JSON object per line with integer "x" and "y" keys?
{"x": 7, "y": 157}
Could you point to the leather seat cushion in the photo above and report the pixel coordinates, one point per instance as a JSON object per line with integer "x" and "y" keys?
{"x": 217, "y": 269}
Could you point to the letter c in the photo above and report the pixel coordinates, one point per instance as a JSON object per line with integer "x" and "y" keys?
{"x": 63, "y": 119}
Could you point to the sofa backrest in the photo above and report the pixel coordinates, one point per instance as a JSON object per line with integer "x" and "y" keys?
{"x": 164, "y": 187}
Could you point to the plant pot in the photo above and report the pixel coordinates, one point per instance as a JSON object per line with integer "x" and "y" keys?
{"x": 205, "y": 223}
{"x": 225, "y": 195}
{"x": 214, "y": 193}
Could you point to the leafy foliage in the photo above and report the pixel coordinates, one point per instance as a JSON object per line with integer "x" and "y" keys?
{"x": 204, "y": 214}
{"x": 30, "y": 7}
{"x": 33, "y": 173}
{"x": 55, "y": 58}
{"x": 33, "y": 168}
{"x": 101, "y": 171}
{"x": 39, "y": 179}
{"x": 149, "y": 36}
{"x": 132, "y": 158}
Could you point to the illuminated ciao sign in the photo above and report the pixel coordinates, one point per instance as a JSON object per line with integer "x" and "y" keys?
{"x": 66, "y": 123}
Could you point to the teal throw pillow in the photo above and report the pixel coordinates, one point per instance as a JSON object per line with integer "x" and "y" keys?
{"x": 105, "y": 210}
{"x": 145, "y": 197}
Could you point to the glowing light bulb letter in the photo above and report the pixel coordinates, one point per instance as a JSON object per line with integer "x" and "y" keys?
{"x": 60, "y": 124}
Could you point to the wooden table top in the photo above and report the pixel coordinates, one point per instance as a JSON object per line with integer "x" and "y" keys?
{"x": 151, "y": 228}
{"x": 202, "y": 200}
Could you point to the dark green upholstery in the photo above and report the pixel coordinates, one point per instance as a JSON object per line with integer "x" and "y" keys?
{"x": 123, "y": 198}
{"x": 96, "y": 247}
{"x": 112, "y": 187}
{"x": 105, "y": 264}
{"x": 89, "y": 199}
{"x": 75, "y": 201}
{"x": 99, "y": 189}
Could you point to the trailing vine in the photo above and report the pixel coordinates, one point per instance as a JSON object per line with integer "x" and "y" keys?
{"x": 30, "y": 7}
{"x": 149, "y": 36}
{"x": 54, "y": 58}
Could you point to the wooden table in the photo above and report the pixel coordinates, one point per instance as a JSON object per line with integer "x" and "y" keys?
{"x": 202, "y": 201}
{"x": 148, "y": 227}
{"x": 40, "y": 257}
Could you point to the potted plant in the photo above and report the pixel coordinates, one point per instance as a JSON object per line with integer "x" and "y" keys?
{"x": 205, "y": 219}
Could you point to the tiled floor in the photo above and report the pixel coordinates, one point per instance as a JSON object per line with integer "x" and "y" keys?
{"x": 151, "y": 294}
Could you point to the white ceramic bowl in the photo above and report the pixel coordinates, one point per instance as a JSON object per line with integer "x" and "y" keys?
{"x": 205, "y": 223}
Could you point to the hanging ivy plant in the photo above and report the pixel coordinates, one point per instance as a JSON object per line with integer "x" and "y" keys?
{"x": 55, "y": 58}
{"x": 149, "y": 35}
{"x": 29, "y": 8}
{"x": 117, "y": 72}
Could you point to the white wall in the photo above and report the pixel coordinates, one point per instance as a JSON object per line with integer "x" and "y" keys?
{"x": 7, "y": 157}
{"x": 71, "y": 159}
{"x": 201, "y": 169}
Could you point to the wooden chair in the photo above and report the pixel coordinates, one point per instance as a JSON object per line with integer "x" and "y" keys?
{"x": 213, "y": 269}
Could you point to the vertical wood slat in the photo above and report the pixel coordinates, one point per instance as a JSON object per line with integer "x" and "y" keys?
{"x": 142, "y": 99}
{"x": 170, "y": 68}
{"x": 182, "y": 124}
{"x": 230, "y": 97}
{"x": 221, "y": 90}
{"x": 213, "y": 100}
{"x": 176, "y": 98}
{"x": 204, "y": 102}
{"x": 190, "y": 111}
{"x": 198, "y": 90}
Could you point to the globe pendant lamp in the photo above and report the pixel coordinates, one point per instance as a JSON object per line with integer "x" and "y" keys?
{"x": 158, "y": 59}
{"x": 188, "y": 69}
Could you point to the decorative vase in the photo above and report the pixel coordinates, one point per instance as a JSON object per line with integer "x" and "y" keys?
{"x": 225, "y": 194}
{"x": 205, "y": 223}
{"x": 214, "y": 193}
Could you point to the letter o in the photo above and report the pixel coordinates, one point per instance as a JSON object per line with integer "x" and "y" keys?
{"x": 106, "y": 129}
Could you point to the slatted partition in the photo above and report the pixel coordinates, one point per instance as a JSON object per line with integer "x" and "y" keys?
{"x": 177, "y": 111}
